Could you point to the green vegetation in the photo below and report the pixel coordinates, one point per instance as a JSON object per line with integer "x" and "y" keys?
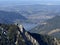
{"x": 8, "y": 35}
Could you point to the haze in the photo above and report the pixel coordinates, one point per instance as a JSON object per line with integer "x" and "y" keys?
{"x": 15, "y": 2}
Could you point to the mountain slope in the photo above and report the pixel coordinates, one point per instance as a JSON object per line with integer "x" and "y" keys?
{"x": 51, "y": 24}
{"x": 10, "y": 17}
{"x": 36, "y": 13}
{"x": 9, "y": 35}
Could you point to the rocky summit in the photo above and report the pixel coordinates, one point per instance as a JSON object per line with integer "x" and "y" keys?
{"x": 17, "y": 35}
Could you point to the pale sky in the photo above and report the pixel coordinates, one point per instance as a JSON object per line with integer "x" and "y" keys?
{"x": 29, "y": 0}
{"x": 48, "y": 2}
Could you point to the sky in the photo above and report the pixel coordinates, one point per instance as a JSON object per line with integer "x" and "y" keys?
{"x": 47, "y": 2}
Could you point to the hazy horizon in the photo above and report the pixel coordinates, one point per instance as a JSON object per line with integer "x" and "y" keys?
{"x": 22, "y": 2}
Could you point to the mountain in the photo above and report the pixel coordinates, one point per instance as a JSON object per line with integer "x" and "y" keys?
{"x": 12, "y": 35}
{"x": 45, "y": 39}
{"x": 10, "y": 17}
{"x": 51, "y": 27}
{"x": 35, "y": 12}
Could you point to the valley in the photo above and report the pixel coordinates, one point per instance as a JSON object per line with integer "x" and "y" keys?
{"x": 41, "y": 24}
{"x": 36, "y": 13}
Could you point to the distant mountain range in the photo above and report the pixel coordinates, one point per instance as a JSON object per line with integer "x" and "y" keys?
{"x": 50, "y": 27}
{"x": 10, "y": 17}
{"x": 36, "y": 13}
